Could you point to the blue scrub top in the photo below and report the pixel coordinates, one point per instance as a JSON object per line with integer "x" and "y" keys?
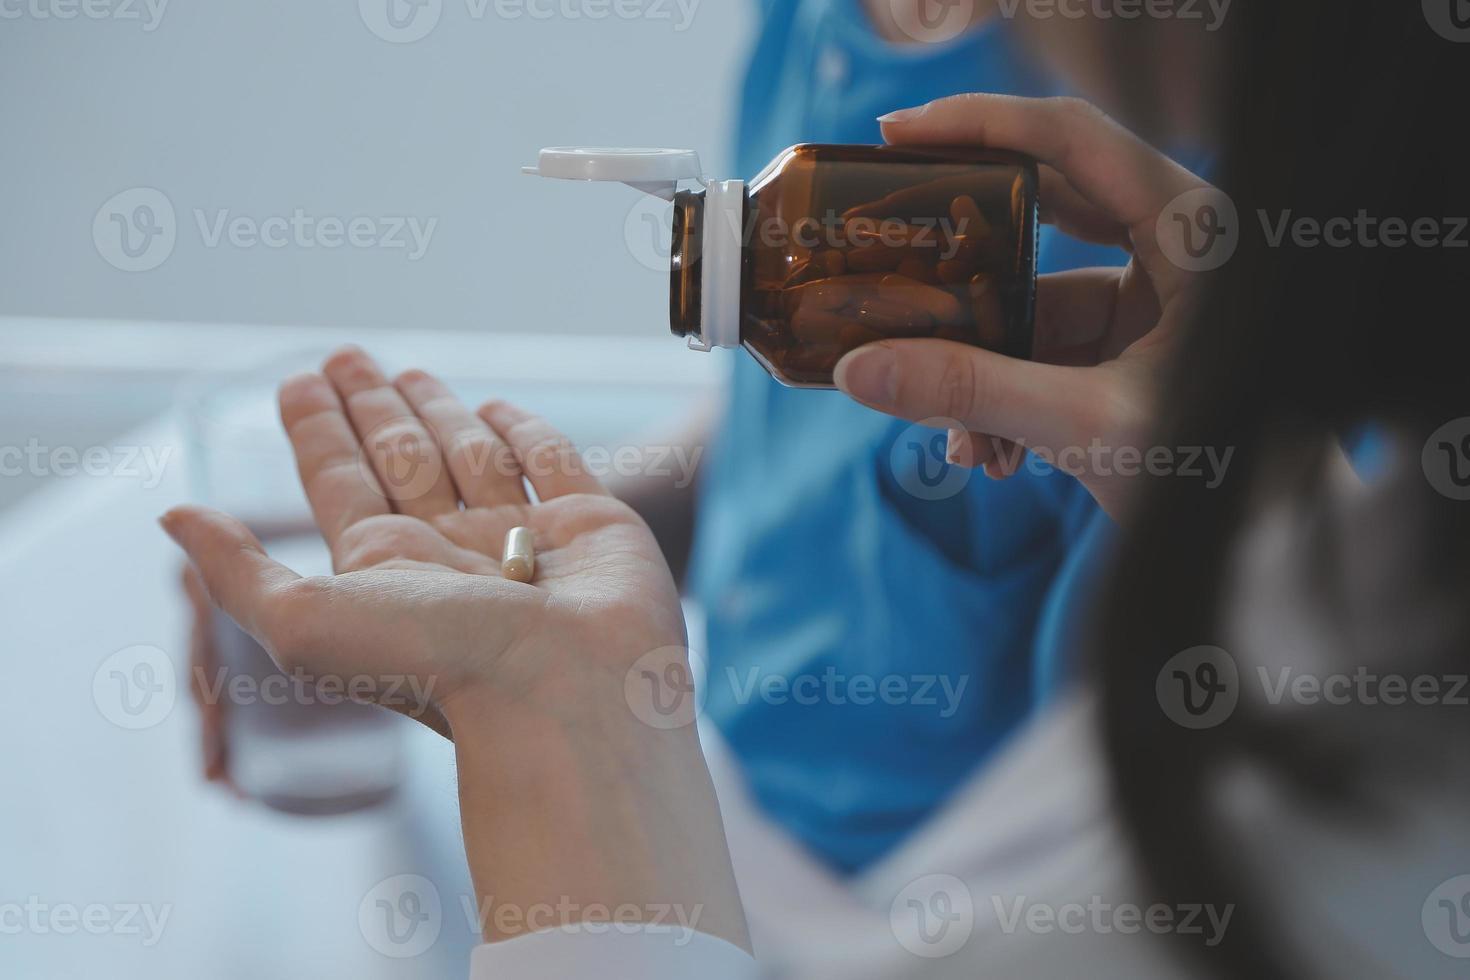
{"x": 872, "y": 612}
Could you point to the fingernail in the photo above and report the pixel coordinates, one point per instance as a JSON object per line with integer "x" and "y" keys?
{"x": 166, "y": 521}
{"x": 869, "y": 374}
{"x": 952, "y": 446}
{"x": 902, "y": 115}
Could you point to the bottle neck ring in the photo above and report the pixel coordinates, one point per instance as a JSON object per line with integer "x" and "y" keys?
{"x": 705, "y": 269}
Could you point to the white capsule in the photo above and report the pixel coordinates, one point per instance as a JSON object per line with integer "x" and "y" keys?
{"x": 519, "y": 561}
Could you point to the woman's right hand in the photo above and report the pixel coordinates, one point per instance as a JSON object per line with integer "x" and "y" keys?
{"x": 1103, "y": 336}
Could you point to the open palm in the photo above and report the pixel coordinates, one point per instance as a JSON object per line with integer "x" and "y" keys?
{"x": 414, "y": 495}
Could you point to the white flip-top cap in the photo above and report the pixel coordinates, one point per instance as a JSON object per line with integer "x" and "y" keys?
{"x": 653, "y": 171}
{"x": 658, "y": 172}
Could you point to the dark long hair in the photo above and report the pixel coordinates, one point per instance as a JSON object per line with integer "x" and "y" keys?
{"x": 1331, "y": 109}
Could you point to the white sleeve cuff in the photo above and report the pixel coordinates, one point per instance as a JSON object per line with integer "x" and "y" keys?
{"x": 613, "y": 951}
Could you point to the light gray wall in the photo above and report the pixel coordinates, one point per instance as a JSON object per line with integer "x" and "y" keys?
{"x": 262, "y": 107}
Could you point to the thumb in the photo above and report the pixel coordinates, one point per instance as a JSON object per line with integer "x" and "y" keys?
{"x": 926, "y": 380}
{"x": 238, "y": 575}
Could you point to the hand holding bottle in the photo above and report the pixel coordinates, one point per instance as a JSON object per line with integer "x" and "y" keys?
{"x": 1102, "y": 336}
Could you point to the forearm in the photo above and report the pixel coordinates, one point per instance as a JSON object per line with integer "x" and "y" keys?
{"x": 612, "y": 820}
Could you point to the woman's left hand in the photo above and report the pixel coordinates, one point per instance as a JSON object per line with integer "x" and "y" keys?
{"x": 414, "y": 495}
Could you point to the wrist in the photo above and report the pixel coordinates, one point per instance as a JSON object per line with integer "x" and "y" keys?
{"x": 548, "y": 742}
{"x": 586, "y": 818}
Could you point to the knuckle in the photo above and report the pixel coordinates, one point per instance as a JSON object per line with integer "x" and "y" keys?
{"x": 959, "y": 389}
{"x": 549, "y": 455}
{"x": 403, "y": 427}
{"x": 467, "y": 442}
{"x": 376, "y": 551}
{"x": 381, "y": 539}
{"x": 1073, "y": 107}
{"x": 412, "y": 376}
{"x": 294, "y": 625}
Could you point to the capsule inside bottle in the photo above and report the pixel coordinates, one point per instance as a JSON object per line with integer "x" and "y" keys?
{"x": 846, "y": 245}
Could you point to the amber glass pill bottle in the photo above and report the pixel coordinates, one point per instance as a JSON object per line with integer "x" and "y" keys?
{"x": 832, "y": 247}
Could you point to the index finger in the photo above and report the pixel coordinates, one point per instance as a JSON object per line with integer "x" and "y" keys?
{"x": 341, "y": 490}
{"x": 1118, "y": 173}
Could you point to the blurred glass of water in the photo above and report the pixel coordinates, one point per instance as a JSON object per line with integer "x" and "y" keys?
{"x": 293, "y": 743}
